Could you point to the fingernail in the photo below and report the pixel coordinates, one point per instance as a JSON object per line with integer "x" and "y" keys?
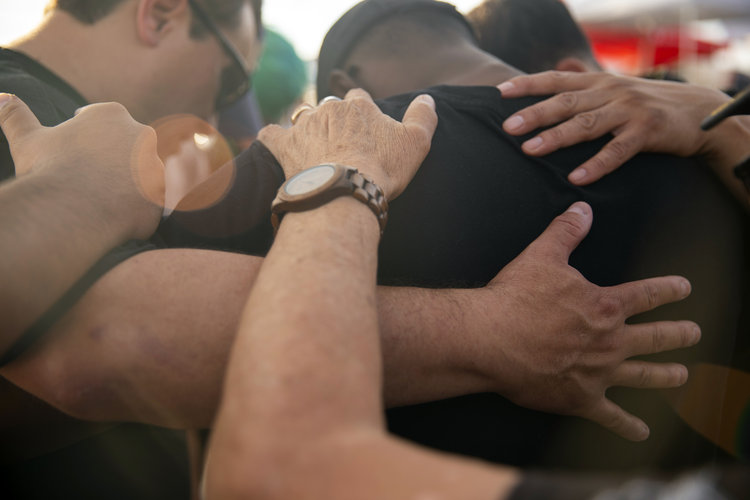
{"x": 645, "y": 432}
{"x": 685, "y": 287}
{"x": 427, "y": 99}
{"x": 505, "y": 87}
{"x": 533, "y": 144}
{"x": 579, "y": 208}
{"x": 577, "y": 175}
{"x": 514, "y": 123}
{"x": 4, "y": 99}
{"x": 685, "y": 375}
{"x": 696, "y": 334}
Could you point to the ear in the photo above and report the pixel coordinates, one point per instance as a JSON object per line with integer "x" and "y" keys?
{"x": 156, "y": 18}
{"x": 340, "y": 83}
{"x": 572, "y": 64}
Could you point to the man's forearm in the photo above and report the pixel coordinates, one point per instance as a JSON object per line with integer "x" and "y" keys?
{"x": 150, "y": 340}
{"x": 428, "y": 336}
{"x": 306, "y": 361}
{"x": 51, "y": 235}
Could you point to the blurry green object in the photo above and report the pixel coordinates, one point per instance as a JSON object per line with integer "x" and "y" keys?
{"x": 280, "y": 78}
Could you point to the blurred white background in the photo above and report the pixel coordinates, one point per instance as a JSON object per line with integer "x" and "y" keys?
{"x": 305, "y": 22}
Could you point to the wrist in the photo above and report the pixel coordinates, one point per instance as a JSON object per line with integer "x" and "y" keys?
{"x": 319, "y": 185}
{"x": 478, "y": 327}
{"x": 728, "y": 144}
{"x": 342, "y": 217}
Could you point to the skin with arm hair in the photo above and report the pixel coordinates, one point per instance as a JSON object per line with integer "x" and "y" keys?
{"x": 308, "y": 335}
{"x": 149, "y": 342}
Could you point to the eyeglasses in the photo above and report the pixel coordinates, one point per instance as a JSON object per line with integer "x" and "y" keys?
{"x": 235, "y": 79}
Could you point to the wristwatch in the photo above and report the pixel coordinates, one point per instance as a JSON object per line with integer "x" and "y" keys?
{"x": 316, "y": 186}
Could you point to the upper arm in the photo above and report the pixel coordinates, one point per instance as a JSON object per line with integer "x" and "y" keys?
{"x": 148, "y": 342}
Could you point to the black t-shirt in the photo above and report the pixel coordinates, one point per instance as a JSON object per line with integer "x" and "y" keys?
{"x": 475, "y": 204}
{"x": 478, "y": 201}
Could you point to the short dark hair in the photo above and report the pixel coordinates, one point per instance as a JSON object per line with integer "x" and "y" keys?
{"x": 532, "y": 35}
{"x": 222, "y": 11}
{"x": 389, "y": 27}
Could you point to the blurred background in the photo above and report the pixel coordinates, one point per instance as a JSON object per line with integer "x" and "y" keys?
{"x": 705, "y": 41}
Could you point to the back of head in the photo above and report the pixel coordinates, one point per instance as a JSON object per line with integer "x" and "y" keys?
{"x": 532, "y": 35}
{"x": 224, "y": 12}
{"x": 389, "y": 28}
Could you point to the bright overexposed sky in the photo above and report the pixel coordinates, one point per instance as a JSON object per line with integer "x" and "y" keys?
{"x": 304, "y": 22}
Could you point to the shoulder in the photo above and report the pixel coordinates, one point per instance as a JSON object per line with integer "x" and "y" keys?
{"x": 26, "y": 79}
{"x": 34, "y": 92}
{"x": 49, "y": 104}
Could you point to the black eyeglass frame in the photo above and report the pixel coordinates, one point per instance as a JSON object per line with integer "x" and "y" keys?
{"x": 235, "y": 80}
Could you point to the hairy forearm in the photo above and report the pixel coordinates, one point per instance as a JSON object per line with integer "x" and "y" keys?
{"x": 150, "y": 341}
{"x": 301, "y": 401}
{"x": 428, "y": 336}
{"x": 52, "y": 233}
{"x": 306, "y": 361}
{"x": 312, "y": 308}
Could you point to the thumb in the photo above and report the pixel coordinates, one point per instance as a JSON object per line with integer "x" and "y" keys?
{"x": 16, "y": 119}
{"x": 565, "y": 233}
{"x": 421, "y": 121}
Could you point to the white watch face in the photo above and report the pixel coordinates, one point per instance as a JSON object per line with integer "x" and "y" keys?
{"x": 309, "y": 180}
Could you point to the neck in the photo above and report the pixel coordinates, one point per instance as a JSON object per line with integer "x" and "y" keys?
{"x": 84, "y": 56}
{"x": 466, "y": 64}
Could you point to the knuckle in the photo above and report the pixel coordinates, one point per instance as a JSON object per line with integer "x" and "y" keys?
{"x": 536, "y": 114}
{"x": 587, "y": 121}
{"x": 572, "y": 225}
{"x": 568, "y": 100}
{"x": 554, "y": 136}
{"x": 598, "y": 163}
{"x": 618, "y": 149}
{"x": 658, "y": 338}
{"x": 11, "y": 110}
{"x": 651, "y": 294}
{"x": 268, "y": 132}
{"x": 148, "y": 133}
{"x": 609, "y": 308}
{"x": 643, "y": 376}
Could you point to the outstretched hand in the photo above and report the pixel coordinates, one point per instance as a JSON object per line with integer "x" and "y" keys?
{"x": 102, "y": 153}
{"x": 643, "y": 115}
{"x": 571, "y": 341}
{"x": 356, "y": 133}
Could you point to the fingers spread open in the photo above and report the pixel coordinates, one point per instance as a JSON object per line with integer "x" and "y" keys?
{"x": 612, "y": 417}
{"x": 357, "y": 94}
{"x": 644, "y": 295}
{"x": 646, "y": 375}
{"x": 651, "y": 338}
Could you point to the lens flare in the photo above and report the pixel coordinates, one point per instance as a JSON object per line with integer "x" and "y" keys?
{"x": 716, "y": 403}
